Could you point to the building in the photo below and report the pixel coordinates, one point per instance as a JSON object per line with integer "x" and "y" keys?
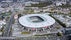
{"x": 60, "y": 3}
{"x": 36, "y": 22}
{"x": 66, "y": 20}
{"x": 30, "y": 2}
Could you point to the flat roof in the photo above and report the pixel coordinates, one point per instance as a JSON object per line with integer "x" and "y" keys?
{"x": 36, "y": 20}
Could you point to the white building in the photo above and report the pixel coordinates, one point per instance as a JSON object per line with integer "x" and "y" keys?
{"x": 60, "y": 3}
{"x": 30, "y": 2}
{"x": 36, "y": 21}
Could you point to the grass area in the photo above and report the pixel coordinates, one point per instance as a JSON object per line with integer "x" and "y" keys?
{"x": 2, "y": 29}
{"x": 44, "y": 35}
{"x": 25, "y": 32}
{"x": 58, "y": 27}
{"x": 59, "y": 34}
{"x": 69, "y": 14}
{"x": 29, "y": 11}
{"x": 6, "y": 14}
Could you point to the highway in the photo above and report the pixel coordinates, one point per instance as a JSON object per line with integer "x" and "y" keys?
{"x": 7, "y": 30}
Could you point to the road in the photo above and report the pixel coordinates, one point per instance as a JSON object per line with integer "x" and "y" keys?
{"x": 7, "y": 30}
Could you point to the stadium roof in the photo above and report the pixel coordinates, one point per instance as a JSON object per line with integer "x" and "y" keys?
{"x": 36, "y": 20}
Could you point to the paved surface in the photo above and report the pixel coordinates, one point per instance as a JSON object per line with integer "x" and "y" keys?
{"x": 34, "y": 38}
{"x": 6, "y": 32}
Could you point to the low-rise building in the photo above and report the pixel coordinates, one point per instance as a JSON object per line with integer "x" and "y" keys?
{"x": 64, "y": 19}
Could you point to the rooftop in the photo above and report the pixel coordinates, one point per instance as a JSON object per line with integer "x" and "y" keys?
{"x": 36, "y": 20}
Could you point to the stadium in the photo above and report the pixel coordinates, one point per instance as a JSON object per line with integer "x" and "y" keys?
{"x": 36, "y": 22}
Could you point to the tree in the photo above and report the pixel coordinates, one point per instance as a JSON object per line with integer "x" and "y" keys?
{"x": 59, "y": 34}
{"x": 19, "y": 15}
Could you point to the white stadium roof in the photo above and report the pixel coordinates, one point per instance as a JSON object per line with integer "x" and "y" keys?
{"x": 36, "y": 20}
